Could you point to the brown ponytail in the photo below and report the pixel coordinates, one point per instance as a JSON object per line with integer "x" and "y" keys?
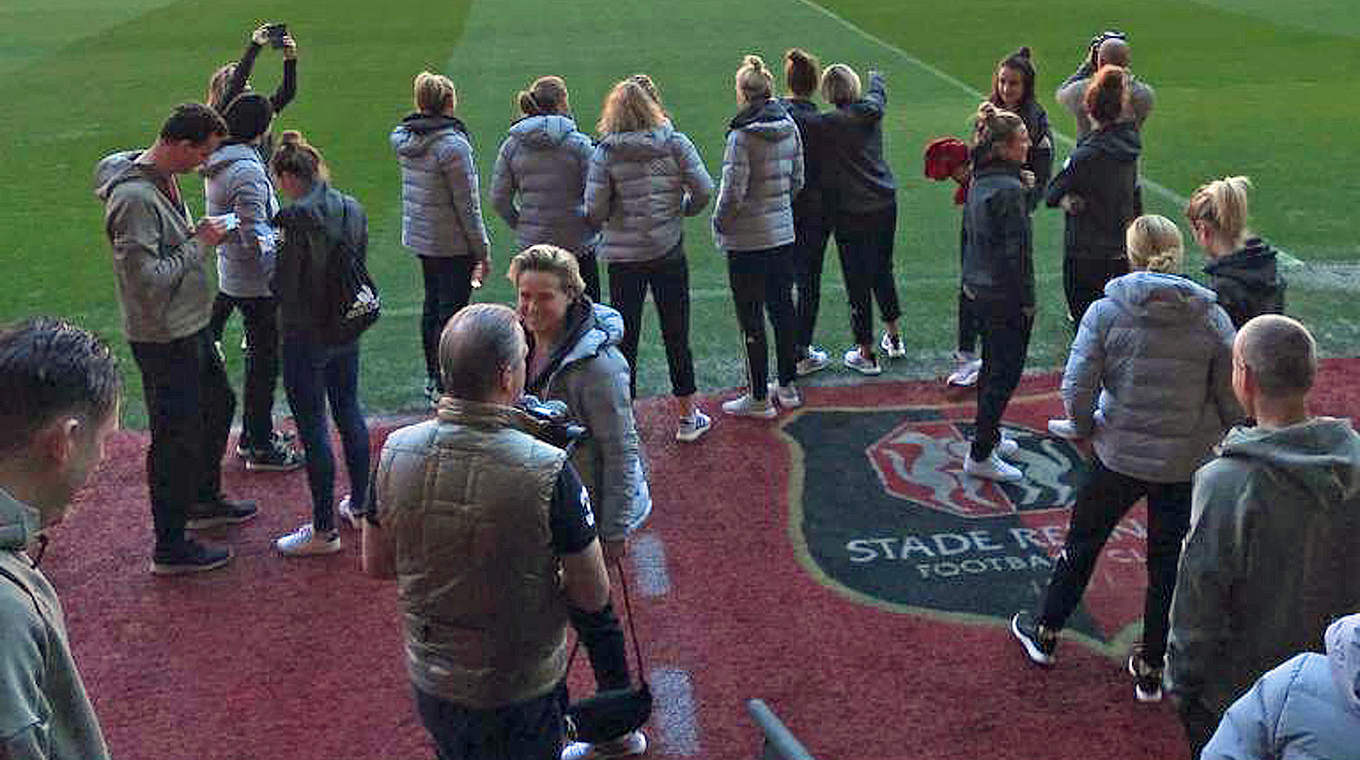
{"x": 1106, "y": 94}
{"x": 299, "y": 158}
{"x": 802, "y": 71}
{"x": 992, "y": 128}
{"x": 547, "y": 95}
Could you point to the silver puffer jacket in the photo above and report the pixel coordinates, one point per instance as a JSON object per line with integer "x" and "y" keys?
{"x": 441, "y": 212}
{"x": 539, "y": 183}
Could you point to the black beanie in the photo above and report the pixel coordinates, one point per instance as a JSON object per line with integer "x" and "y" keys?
{"x": 248, "y": 116}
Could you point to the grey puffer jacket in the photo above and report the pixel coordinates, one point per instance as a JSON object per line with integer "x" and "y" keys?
{"x": 588, "y": 373}
{"x": 539, "y": 183}
{"x": 441, "y": 211}
{"x": 235, "y": 181}
{"x": 762, "y": 173}
{"x": 640, "y": 186}
{"x": 1150, "y": 375}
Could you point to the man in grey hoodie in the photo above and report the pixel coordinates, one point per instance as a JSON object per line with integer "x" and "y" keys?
{"x": 59, "y": 389}
{"x": 1270, "y": 558}
{"x": 159, "y": 257}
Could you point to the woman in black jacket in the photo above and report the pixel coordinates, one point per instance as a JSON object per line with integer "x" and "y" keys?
{"x": 1241, "y": 266}
{"x": 1098, "y": 188}
{"x": 998, "y": 276}
{"x": 314, "y": 370}
{"x": 861, "y": 197}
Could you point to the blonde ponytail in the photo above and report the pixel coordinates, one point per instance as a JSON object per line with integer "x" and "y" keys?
{"x": 753, "y": 80}
{"x": 1154, "y": 244}
{"x": 1222, "y": 204}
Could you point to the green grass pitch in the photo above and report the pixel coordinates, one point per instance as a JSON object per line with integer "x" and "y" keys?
{"x": 1243, "y": 86}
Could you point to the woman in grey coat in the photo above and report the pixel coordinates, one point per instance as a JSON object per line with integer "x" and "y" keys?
{"x": 539, "y": 183}
{"x": 753, "y": 222}
{"x": 441, "y": 212}
{"x": 1149, "y": 380}
{"x": 644, "y": 179}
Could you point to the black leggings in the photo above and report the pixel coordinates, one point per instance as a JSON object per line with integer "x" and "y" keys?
{"x": 865, "y": 245}
{"x": 761, "y": 279}
{"x": 448, "y": 286}
{"x": 668, "y": 279}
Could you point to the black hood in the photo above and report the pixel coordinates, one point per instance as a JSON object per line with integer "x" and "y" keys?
{"x": 798, "y": 106}
{"x": 1253, "y": 265}
{"x": 421, "y": 123}
{"x": 1119, "y": 141}
{"x": 765, "y": 111}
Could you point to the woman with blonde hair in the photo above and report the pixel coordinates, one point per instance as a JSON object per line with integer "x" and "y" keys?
{"x": 762, "y": 171}
{"x": 1149, "y": 381}
{"x": 441, "y": 220}
{"x": 1241, "y": 267}
{"x": 644, "y": 179}
{"x": 862, "y": 203}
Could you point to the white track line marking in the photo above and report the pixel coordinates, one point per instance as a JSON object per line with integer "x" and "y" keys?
{"x": 1160, "y": 189}
{"x": 648, "y": 556}
{"x": 675, "y": 711}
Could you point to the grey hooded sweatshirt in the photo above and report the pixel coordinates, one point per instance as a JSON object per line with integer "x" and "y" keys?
{"x": 1307, "y": 708}
{"x": 1270, "y": 559}
{"x": 640, "y": 187}
{"x": 441, "y": 210}
{"x": 762, "y": 173}
{"x": 1150, "y": 373}
{"x": 235, "y": 181}
{"x": 44, "y": 711}
{"x": 163, "y": 283}
{"x": 539, "y": 183}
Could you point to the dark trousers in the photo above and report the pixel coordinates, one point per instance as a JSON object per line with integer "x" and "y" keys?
{"x": 969, "y": 326}
{"x": 762, "y": 279}
{"x": 1005, "y": 342}
{"x": 590, "y": 272}
{"x": 809, "y": 254}
{"x": 668, "y": 279}
{"x": 1084, "y": 281}
{"x": 189, "y": 406}
{"x": 448, "y": 286}
{"x": 602, "y": 636}
{"x": 1199, "y": 722}
{"x": 1101, "y": 502}
{"x": 260, "y": 319}
{"x": 865, "y": 245}
{"x": 529, "y": 730}
{"x": 313, "y": 373}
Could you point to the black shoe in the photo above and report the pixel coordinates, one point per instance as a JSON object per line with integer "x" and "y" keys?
{"x": 279, "y": 437}
{"x": 221, "y": 512}
{"x": 1147, "y": 680}
{"x": 188, "y": 556}
{"x": 1039, "y": 641}
{"x": 279, "y": 457}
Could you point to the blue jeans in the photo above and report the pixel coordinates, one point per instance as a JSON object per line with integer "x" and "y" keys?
{"x": 313, "y": 373}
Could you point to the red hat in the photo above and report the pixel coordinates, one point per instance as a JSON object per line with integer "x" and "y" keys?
{"x": 943, "y": 156}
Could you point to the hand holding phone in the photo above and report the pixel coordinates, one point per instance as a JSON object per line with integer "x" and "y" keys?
{"x": 275, "y": 34}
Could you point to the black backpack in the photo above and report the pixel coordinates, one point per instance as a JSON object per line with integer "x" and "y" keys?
{"x": 351, "y": 304}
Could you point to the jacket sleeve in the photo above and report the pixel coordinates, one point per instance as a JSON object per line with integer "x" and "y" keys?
{"x": 602, "y": 400}
{"x": 599, "y": 188}
{"x": 460, "y": 173}
{"x": 1085, "y": 368}
{"x": 876, "y": 99}
{"x": 736, "y": 173}
{"x": 1041, "y": 161}
{"x": 1200, "y": 618}
{"x": 287, "y": 88}
{"x": 694, "y": 175}
{"x": 1071, "y": 92}
{"x": 1067, "y": 178}
{"x": 1009, "y": 213}
{"x": 1220, "y": 372}
{"x": 23, "y": 706}
{"x": 290, "y": 267}
{"x": 150, "y": 269}
{"x": 250, "y": 202}
{"x": 240, "y": 76}
{"x": 503, "y": 187}
{"x": 1247, "y": 731}
{"x": 1234, "y": 299}
{"x": 797, "y": 180}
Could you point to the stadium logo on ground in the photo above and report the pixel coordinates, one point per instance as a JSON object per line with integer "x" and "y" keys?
{"x": 899, "y": 526}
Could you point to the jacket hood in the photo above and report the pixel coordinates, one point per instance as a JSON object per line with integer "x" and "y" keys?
{"x": 1254, "y": 265}
{"x": 1322, "y": 455}
{"x": 229, "y": 154}
{"x": 417, "y": 132}
{"x": 117, "y": 168}
{"x": 1120, "y": 141}
{"x": 1343, "y": 654}
{"x": 594, "y": 330}
{"x": 653, "y": 142}
{"x": 543, "y": 131}
{"x": 798, "y": 105}
{"x": 769, "y": 120}
{"x": 1160, "y": 297}
{"x": 19, "y": 523}
{"x": 319, "y": 207}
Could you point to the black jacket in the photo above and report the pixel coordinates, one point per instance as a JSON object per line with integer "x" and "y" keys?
{"x": 1040, "y": 158}
{"x": 305, "y": 227}
{"x": 1247, "y": 282}
{"x": 809, "y": 205}
{"x": 855, "y": 178}
{"x": 998, "y": 259}
{"x": 1103, "y": 172}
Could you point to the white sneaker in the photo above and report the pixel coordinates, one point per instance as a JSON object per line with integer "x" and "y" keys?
{"x": 816, "y": 360}
{"x": 966, "y": 370}
{"x": 629, "y": 745}
{"x": 305, "y": 542}
{"x": 746, "y": 406}
{"x": 347, "y": 516}
{"x": 992, "y": 468}
{"x": 787, "y": 395}
{"x": 691, "y": 428}
{"x": 1007, "y": 447}
{"x": 892, "y": 346}
{"x": 1064, "y": 428}
{"x": 856, "y": 361}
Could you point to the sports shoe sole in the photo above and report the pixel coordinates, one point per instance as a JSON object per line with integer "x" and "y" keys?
{"x": 254, "y": 466}
{"x": 803, "y": 370}
{"x": 693, "y": 435}
{"x": 876, "y": 369}
{"x": 204, "y": 523}
{"x": 158, "y": 568}
{"x": 325, "y": 549}
{"x": 1035, "y": 654}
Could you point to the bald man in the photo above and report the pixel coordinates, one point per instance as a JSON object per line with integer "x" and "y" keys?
{"x": 1112, "y": 51}
{"x": 1271, "y": 555}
